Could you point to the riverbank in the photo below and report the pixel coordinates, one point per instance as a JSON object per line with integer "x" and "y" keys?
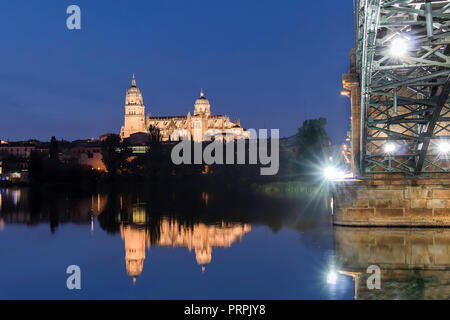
{"x": 272, "y": 187}
{"x": 288, "y": 189}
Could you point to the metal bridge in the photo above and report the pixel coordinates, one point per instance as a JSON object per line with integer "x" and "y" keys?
{"x": 400, "y": 84}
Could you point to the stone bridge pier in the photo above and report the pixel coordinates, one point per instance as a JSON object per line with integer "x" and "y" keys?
{"x": 392, "y": 202}
{"x": 399, "y": 88}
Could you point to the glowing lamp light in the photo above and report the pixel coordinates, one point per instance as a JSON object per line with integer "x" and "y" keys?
{"x": 398, "y": 47}
{"x": 346, "y": 93}
{"x": 333, "y": 173}
{"x": 389, "y": 147}
{"x": 444, "y": 147}
{"x": 332, "y": 277}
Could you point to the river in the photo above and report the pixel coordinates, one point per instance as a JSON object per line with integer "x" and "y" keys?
{"x": 194, "y": 244}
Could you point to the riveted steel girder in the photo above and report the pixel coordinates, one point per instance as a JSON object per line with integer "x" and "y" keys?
{"x": 403, "y": 64}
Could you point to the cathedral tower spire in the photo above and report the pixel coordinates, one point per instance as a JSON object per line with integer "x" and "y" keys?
{"x": 134, "y": 111}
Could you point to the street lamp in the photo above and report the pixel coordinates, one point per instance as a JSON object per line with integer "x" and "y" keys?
{"x": 389, "y": 147}
{"x": 332, "y": 277}
{"x": 444, "y": 147}
{"x": 333, "y": 173}
{"x": 346, "y": 93}
{"x": 398, "y": 47}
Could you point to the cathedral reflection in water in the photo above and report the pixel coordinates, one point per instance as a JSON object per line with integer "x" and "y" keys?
{"x": 199, "y": 237}
{"x": 139, "y": 229}
{"x": 414, "y": 263}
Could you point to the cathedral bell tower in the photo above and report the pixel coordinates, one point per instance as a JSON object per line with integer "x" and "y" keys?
{"x": 134, "y": 112}
{"x": 202, "y": 110}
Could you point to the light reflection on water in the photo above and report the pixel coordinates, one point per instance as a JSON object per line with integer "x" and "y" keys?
{"x": 204, "y": 245}
{"x": 185, "y": 245}
{"x": 198, "y": 238}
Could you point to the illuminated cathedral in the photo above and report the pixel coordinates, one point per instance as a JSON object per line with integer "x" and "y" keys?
{"x": 196, "y": 127}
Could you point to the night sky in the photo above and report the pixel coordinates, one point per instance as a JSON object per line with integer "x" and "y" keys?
{"x": 272, "y": 64}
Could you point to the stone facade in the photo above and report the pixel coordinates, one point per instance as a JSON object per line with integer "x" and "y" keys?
{"x": 173, "y": 128}
{"x": 18, "y": 149}
{"x": 384, "y": 203}
{"x": 90, "y": 155}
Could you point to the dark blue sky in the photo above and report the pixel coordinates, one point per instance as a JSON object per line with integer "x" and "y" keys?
{"x": 273, "y": 64}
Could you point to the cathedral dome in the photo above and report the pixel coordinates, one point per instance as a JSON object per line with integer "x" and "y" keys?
{"x": 134, "y": 95}
{"x": 202, "y": 105}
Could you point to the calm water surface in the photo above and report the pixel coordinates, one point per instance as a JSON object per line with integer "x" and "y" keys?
{"x": 149, "y": 244}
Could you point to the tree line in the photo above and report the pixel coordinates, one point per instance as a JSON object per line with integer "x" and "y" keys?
{"x": 298, "y": 160}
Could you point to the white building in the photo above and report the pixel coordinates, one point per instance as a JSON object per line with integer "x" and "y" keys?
{"x": 197, "y": 126}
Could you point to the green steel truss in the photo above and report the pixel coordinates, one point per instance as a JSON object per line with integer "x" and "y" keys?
{"x": 404, "y": 99}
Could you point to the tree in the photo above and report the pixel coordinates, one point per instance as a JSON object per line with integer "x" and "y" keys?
{"x": 156, "y": 157}
{"x": 313, "y": 142}
{"x": 36, "y": 167}
{"x": 54, "y": 150}
{"x": 115, "y": 153}
{"x": 154, "y": 139}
